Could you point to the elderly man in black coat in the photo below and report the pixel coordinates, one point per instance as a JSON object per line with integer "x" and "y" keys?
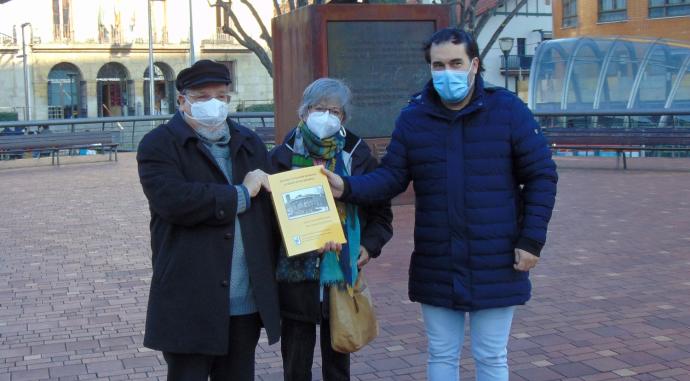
{"x": 212, "y": 235}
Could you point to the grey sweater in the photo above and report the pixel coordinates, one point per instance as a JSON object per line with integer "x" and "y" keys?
{"x": 241, "y": 293}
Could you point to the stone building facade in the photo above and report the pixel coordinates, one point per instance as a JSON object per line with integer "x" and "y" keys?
{"x": 87, "y": 58}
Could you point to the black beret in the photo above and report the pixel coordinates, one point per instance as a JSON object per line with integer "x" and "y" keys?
{"x": 202, "y": 72}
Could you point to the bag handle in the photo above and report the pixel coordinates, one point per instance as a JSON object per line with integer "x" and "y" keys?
{"x": 356, "y": 305}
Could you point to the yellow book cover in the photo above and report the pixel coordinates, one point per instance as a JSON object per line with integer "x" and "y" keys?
{"x": 306, "y": 210}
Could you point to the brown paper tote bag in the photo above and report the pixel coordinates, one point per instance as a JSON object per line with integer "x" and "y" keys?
{"x": 352, "y": 318}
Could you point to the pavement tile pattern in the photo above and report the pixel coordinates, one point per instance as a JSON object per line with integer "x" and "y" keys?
{"x": 611, "y": 295}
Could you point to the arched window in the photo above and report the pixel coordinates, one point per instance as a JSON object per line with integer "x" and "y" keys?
{"x": 163, "y": 89}
{"x": 66, "y": 92}
{"x": 115, "y": 91}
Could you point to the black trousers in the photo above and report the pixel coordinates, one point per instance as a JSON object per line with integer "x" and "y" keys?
{"x": 237, "y": 365}
{"x": 297, "y": 348}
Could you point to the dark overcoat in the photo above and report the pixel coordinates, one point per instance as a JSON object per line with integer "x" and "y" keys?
{"x": 193, "y": 211}
{"x": 300, "y": 300}
{"x": 484, "y": 185}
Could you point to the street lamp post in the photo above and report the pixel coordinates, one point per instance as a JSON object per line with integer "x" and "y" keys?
{"x": 151, "y": 71}
{"x": 27, "y": 114}
{"x": 506, "y": 45}
{"x": 192, "y": 59}
{"x": 72, "y": 94}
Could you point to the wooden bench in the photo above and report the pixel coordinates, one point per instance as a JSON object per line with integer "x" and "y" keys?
{"x": 267, "y": 134}
{"x": 619, "y": 140}
{"x": 55, "y": 142}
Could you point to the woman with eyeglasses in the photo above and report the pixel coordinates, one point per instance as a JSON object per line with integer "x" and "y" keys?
{"x": 303, "y": 281}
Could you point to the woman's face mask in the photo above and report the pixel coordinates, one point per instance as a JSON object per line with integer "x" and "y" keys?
{"x": 323, "y": 124}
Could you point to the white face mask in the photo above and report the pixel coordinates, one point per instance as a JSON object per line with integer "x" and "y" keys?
{"x": 323, "y": 124}
{"x": 211, "y": 113}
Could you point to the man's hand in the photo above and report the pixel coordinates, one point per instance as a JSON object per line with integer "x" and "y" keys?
{"x": 524, "y": 261}
{"x": 254, "y": 180}
{"x": 363, "y": 257}
{"x": 335, "y": 181}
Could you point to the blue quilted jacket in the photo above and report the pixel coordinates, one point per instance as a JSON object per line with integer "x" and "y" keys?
{"x": 484, "y": 184}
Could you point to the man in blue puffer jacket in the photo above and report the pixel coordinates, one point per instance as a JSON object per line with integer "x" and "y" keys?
{"x": 485, "y": 186}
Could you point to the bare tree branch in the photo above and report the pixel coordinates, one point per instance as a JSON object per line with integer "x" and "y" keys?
{"x": 483, "y": 20}
{"x": 453, "y": 4}
{"x": 468, "y": 21}
{"x": 235, "y": 35}
{"x": 500, "y": 28}
{"x": 469, "y": 16}
{"x": 265, "y": 35}
{"x": 243, "y": 38}
{"x": 228, "y": 14}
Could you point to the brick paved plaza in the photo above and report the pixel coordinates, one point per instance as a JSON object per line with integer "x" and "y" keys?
{"x": 611, "y": 294}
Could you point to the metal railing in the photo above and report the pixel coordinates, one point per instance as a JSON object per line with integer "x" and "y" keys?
{"x": 516, "y": 62}
{"x": 7, "y": 40}
{"x": 679, "y": 118}
{"x": 662, "y": 133}
{"x": 160, "y": 37}
{"x": 219, "y": 38}
{"x": 133, "y": 127}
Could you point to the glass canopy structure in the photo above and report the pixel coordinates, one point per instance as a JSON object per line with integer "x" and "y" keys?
{"x": 617, "y": 74}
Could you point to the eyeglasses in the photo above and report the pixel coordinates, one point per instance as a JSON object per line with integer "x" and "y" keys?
{"x": 194, "y": 98}
{"x": 336, "y": 111}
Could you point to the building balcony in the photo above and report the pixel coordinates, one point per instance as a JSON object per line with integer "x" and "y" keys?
{"x": 218, "y": 38}
{"x": 7, "y": 40}
{"x": 161, "y": 37}
{"x": 517, "y": 65}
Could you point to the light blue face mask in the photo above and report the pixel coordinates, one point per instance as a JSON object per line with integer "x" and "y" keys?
{"x": 451, "y": 85}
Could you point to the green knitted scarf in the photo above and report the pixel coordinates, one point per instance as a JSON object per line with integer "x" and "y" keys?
{"x": 331, "y": 268}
